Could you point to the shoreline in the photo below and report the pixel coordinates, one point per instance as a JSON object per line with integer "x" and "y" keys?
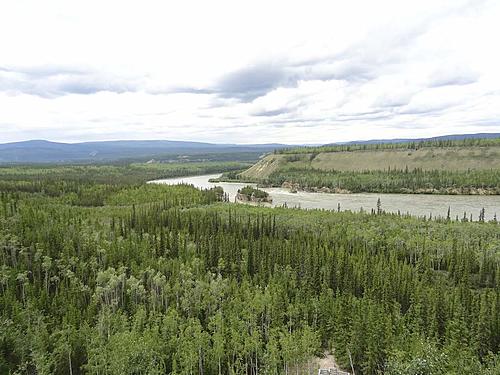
{"x": 415, "y": 204}
{"x": 326, "y": 190}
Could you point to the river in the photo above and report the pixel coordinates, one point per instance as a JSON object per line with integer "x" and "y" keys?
{"x": 414, "y": 204}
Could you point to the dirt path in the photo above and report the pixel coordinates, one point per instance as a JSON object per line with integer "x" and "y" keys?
{"x": 328, "y": 362}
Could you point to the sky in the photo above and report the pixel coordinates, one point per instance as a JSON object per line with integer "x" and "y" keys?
{"x": 255, "y": 71}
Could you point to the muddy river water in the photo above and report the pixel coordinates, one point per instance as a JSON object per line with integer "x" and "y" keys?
{"x": 414, "y": 204}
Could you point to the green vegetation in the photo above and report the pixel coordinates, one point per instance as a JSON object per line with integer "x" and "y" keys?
{"x": 115, "y": 174}
{"x": 392, "y": 181}
{"x": 468, "y": 142}
{"x": 86, "y": 185}
{"x": 167, "y": 279}
{"x": 232, "y": 176}
{"x": 470, "y": 166}
{"x": 253, "y": 193}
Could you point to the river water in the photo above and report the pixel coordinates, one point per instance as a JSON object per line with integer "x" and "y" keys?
{"x": 414, "y": 204}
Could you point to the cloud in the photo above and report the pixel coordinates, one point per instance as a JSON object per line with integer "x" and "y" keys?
{"x": 453, "y": 76}
{"x": 271, "y": 113}
{"x": 364, "y": 61}
{"x": 392, "y": 99}
{"x": 251, "y": 82}
{"x": 306, "y": 73}
{"x": 54, "y": 80}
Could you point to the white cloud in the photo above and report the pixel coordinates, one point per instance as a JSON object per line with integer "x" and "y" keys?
{"x": 231, "y": 71}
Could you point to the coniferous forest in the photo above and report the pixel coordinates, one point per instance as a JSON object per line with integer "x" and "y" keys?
{"x": 392, "y": 181}
{"x": 109, "y": 275}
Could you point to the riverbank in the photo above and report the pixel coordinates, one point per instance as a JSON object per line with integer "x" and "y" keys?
{"x": 295, "y": 187}
{"x": 419, "y": 205}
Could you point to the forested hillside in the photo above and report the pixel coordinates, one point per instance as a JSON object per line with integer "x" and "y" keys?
{"x": 470, "y": 166}
{"x": 153, "y": 279}
{"x": 41, "y": 151}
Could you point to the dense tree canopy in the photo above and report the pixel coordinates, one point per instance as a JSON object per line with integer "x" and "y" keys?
{"x": 112, "y": 277}
{"x": 392, "y": 181}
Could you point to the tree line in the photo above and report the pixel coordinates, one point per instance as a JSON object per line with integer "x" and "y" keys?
{"x": 392, "y": 180}
{"x": 407, "y": 145}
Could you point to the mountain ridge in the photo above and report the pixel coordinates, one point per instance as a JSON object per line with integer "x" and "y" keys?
{"x": 452, "y": 137}
{"x": 43, "y": 151}
{"x": 50, "y": 152}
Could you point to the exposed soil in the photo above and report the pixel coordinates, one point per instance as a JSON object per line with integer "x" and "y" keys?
{"x": 328, "y": 362}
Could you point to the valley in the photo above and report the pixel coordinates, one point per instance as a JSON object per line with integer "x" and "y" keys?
{"x": 152, "y": 268}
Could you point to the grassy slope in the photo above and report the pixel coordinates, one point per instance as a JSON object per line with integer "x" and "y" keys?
{"x": 264, "y": 167}
{"x": 427, "y": 158}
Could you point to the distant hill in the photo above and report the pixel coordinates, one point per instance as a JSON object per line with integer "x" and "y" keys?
{"x": 42, "y": 151}
{"x": 448, "y": 153}
{"x": 46, "y": 152}
{"x": 452, "y": 137}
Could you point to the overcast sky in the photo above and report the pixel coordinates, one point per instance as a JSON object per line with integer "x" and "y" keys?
{"x": 248, "y": 71}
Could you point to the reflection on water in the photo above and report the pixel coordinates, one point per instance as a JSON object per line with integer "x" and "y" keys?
{"x": 414, "y": 204}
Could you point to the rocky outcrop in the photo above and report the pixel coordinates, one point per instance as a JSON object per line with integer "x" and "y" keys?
{"x": 294, "y": 187}
{"x": 253, "y": 198}
{"x": 454, "y": 191}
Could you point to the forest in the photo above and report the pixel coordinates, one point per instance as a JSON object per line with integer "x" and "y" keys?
{"x": 103, "y": 274}
{"x": 407, "y": 145}
{"x": 466, "y": 167}
{"x": 391, "y": 180}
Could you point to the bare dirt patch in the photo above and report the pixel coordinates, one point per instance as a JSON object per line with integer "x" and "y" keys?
{"x": 328, "y": 362}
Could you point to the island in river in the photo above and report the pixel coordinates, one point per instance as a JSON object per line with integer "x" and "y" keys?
{"x": 252, "y": 194}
